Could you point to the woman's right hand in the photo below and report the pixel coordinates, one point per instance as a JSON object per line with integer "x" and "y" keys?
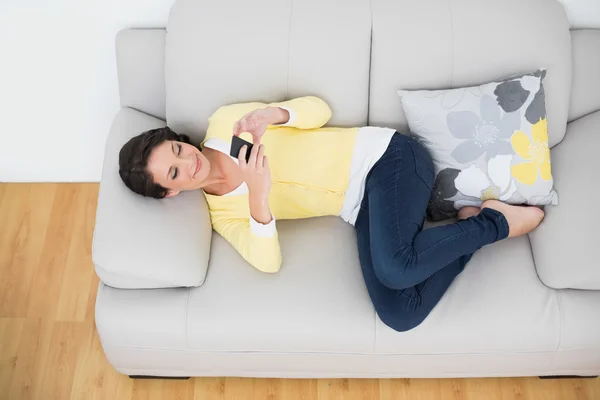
{"x": 256, "y": 172}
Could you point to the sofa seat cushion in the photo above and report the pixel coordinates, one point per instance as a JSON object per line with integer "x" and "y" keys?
{"x": 318, "y": 303}
{"x": 565, "y": 245}
{"x": 496, "y": 305}
{"x": 143, "y": 242}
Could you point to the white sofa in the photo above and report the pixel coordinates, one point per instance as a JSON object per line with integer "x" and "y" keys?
{"x": 177, "y": 300}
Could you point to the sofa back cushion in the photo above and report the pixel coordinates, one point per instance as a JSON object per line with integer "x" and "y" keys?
{"x": 585, "y": 92}
{"x": 141, "y": 70}
{"x": 231, "y": 51}
{"x": 437, "y": 44}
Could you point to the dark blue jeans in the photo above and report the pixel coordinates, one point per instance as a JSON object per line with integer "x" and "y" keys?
{"x": 408, "y": 270}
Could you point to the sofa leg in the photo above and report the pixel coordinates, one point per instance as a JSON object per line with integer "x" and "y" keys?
{"x": 183, "y": 378}
{"x": 567, "y": 377}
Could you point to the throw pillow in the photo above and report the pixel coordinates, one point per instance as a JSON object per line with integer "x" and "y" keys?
{"x": 487, "y": 142}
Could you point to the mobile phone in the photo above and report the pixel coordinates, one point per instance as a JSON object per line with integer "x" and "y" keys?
{"x": 236, "y": 145}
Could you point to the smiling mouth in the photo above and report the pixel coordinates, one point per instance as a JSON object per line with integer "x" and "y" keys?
{"x": 197, "y": 165}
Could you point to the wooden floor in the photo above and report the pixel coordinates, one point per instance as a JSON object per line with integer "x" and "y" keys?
{"x": 49, "y": 348}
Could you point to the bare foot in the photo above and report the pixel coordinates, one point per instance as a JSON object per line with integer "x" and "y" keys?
{"x": 521, "y": 219}
{"x": 469, "y": 211}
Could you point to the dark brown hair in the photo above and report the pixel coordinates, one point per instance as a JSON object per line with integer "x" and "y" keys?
{"x": 133, "y": 161}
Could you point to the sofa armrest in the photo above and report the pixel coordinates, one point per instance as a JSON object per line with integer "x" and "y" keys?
{"x": 143, "y": 242}
{"x": 566, "y": 244}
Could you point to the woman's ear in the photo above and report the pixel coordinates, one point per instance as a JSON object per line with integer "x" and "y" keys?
{"x": 172, "y": 193}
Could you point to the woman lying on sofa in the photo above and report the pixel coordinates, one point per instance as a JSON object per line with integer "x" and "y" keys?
{"x": 376, "y": 179}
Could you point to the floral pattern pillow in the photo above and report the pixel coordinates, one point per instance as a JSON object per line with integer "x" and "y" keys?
{"x": 487, "y": 142}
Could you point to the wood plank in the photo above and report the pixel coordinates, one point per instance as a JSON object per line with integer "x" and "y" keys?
{"x": 45, "y": 290}
{"x": 95, "y": 378}
{"x": 481, "y": 387}
{"x": 79, "y": 270}
{"x": 3, "y": 188}
{"x": 299, "y": 389}
{"x": 29, "y": 346}
{"x": 266, "y": 389}
{"x": 178, "y": 390}
{"x": 237, "y": 388}
{"x": 394, "y": 389}
{"x": 46, "y": 327}
{"x": 90, "y": 312}
{"x": 70, "y": 340}
{"x": 24, "y": 218}
{"x": 453, "y": 389}
{"x": 209, "y": 388}
{"x": 348, "y": 389}
{"x": 163, "y": 389}
{"x": 10, "y": 335}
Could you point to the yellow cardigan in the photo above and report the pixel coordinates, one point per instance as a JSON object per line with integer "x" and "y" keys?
{"x": 310, "y": 171}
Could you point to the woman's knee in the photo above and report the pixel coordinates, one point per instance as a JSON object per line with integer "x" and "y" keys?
{"x": 402, "y": 322}
{"x": 395, "y": 271}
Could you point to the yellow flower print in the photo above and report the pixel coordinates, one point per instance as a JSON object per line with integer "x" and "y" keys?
{"x": 537, "y": 153}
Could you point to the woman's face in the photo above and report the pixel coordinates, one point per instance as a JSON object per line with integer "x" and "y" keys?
{"x": 178, "y": 166}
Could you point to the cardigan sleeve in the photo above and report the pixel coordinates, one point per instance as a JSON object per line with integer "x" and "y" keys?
{"x": 260, "y": 250}
{"x": 305, "y": 113}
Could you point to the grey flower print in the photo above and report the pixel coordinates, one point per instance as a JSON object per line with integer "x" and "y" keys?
{"x": 540, "y": 73}
{"x": 537, "y": 108}
{"x": 488, "y": 134}
{"x": 440, "y": 207}
{"x": 511, "y": 95}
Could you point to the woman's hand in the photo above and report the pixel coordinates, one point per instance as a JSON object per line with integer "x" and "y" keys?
{"x": 257, "y": 176}
{"x": 256, "y": 122}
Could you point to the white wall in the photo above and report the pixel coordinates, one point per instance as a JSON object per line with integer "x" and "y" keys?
{"x": 583, "y": 13}
{"x": 58, "y": 84}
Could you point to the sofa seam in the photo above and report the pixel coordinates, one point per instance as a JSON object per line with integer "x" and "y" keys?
{"x": 289, "y": 55}
{"x": 555, "y": 291}
{"x": 560, "y": 320}
{"x": 187, "y": 303}
{"x": 370, "y": 62}
{"x": 98, "y": 309}
{"x": 575, "y": 120}
{"x": 270, "y": 352}
{"x": 98, "y": 266}
{"x": 144, "y": 112}
{"x": 293, "y": 374}
{"x": 451, "y": 43}
{"x": 374, "y": 330}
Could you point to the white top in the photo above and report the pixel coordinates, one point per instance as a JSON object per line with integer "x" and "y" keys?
{"x": 371, "y": 144}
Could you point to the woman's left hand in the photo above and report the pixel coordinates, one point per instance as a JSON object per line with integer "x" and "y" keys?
{"x": 256, "y": 122}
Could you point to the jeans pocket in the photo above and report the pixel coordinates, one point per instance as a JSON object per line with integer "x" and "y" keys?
{"x": 423, "y": 164}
